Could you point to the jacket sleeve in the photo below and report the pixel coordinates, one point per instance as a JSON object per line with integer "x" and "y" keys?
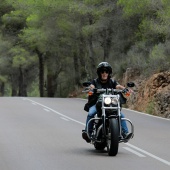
{"x": 114, "y": 83}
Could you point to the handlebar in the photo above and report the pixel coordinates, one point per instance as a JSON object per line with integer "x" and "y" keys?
{"x": 125, "y": 91}
{"x": 95, "y": 90}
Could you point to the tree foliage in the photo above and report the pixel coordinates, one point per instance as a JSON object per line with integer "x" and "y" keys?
{"x": 58, "y": 44}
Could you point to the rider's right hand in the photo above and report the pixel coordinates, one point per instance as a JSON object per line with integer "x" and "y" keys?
{"x": 92, "y": 87}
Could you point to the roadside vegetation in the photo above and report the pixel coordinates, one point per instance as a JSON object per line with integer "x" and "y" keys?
{"x": 49, "y": 47}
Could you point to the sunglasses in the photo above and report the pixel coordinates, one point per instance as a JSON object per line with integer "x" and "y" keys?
{"x": 104, "y": 71}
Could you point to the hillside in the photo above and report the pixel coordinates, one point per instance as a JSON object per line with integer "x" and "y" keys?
{"x": 151, "y": 95}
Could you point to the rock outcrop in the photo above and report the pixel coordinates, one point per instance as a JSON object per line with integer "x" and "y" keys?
{"x": 151, "y": 95}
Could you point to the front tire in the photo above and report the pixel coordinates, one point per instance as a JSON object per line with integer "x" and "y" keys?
{"x": 113, "y": 137}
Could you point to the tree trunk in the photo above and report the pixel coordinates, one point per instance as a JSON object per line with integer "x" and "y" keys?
{"x": 50, "y": 85}
{"x": 92, "y": 58}
{"x": 53, "y": 70}
{"x": 22, "y": 86}
{"x": 83, "y": 71}
{"x": 41, "y": 72}
{"x": 2, "y": 89}
{"x": 76, "y": 68}
{"x": 91, "y": 53}
{"x": 41, "y": 75}
{"x": 107, "y": 39}
{"x": 50, "y": 75}
{"x": 14, "y": 91}
{"x": 14, "y": 83}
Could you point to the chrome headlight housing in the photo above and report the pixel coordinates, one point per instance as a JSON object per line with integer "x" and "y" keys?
{"x": 107, "y": 100}
{"x": 114, "y": 101}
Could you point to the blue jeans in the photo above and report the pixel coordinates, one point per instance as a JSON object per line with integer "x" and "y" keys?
{"x": 91, "y": 114}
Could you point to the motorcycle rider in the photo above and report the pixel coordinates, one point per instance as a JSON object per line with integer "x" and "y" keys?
{"x": 104, "y": 71}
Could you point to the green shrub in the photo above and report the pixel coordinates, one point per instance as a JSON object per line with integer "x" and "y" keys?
{"x": 150, "y": 108}
{"x": 158, "y": 61}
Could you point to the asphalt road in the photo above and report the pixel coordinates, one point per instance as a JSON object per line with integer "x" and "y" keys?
{"x": 45, "y": 134}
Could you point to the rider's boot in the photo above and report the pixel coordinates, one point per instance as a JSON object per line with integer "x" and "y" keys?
{"x": 127, "y": 136}
{"x": 85, "y": 136}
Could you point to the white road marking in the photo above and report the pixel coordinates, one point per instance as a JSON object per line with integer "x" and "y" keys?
{"x": 149, "y": 154}
{"x": 57, "y": 112}
{"x": 128, "y": 144}
{"x": 46, "y": 110}
{"x": 146, "y": 114}
{"x": 135, "y": 152}
{"x": 64, "y": 118}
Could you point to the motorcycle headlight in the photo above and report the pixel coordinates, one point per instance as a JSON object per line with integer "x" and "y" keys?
{"x": 107, "y": 100}
{"x": 114, "y": 101}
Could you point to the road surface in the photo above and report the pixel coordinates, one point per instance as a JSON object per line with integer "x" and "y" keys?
{"x": 45, "y": 134}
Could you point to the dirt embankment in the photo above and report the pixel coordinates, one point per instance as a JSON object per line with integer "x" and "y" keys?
{"x": 151, "y": 95}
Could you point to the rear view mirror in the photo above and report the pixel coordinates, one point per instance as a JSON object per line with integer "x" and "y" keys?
{"x": 86, "y": 84}
{"x": 130, "y": 84}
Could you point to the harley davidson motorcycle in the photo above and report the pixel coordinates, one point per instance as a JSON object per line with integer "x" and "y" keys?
{"x": 107, "y": 122}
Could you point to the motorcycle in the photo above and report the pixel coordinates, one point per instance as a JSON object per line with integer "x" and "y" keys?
{"x": 107, "y": 130}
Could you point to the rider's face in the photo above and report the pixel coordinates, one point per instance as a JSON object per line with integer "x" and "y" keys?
{"x": 104, "y": 74}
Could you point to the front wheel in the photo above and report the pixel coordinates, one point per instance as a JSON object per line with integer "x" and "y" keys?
{"x": 113, "y": 137}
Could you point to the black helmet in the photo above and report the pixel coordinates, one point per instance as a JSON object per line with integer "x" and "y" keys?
{"x": 103, "y": 65}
